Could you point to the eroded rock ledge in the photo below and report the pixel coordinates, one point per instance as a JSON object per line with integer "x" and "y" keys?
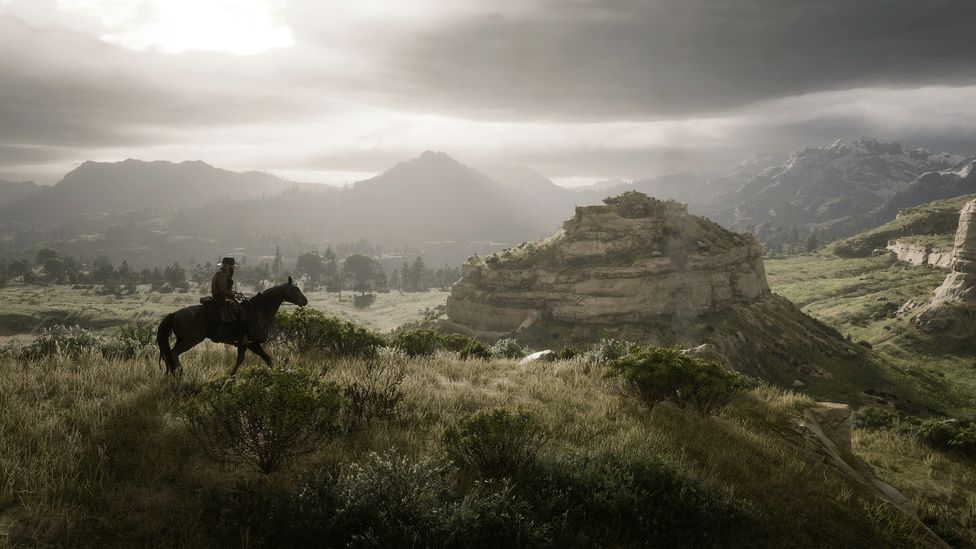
{"x": 631, "y": 259}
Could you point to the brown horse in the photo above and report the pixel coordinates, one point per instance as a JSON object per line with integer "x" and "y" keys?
{"x": 192, "y": 325}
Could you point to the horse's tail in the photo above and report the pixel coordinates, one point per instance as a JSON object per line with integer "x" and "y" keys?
{"x": 162, "y": 340}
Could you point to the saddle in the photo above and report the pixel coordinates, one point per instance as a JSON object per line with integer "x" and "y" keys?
{"x": 228, "y": 312}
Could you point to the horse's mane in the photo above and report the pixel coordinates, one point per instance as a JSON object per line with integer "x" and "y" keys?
{"x": 268, "y": 290}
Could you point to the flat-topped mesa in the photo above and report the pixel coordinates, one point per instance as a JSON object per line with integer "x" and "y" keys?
{"x": 629, "y": 260}
{"x": 960, "y": 284}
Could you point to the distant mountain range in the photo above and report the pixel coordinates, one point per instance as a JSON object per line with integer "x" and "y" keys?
{"x": 11, "y": 191}
{"x": 100, "y": 187}
{"x": 435, "y": 202}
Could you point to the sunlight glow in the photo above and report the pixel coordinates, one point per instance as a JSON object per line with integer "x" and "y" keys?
{"x": 240, "y": 27}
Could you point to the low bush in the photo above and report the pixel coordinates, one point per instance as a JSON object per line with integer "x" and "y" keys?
{"x": 417, "y": 342}
{"x": 612, "y": 500}
{"x": 654, "y": 374}
{"x": 375, "y": 391}
{"x": 951, "y": 435}
{"x": 60, "y": 340}
{"x": 569, "y": 353}
{"x": 494, "y": 443}
{"x": 392, "y": 500}
{"x": 493, "y": 514}
{"x": 306, "y": 329}
{"x": 872, "y": 417}
{"x": 466, "y": 347}
{"x": 132, "y": 340}
{"x": 607, "y": 350}
{"x": 507, "y": 348}
{"x": 265, "y": 416}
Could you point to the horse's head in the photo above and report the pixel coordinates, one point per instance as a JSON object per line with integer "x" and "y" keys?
{"x": 293, "y": 294}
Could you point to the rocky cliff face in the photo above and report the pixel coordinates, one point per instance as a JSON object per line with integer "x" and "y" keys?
{"x": 954, "y": 303}
{"x": 960, "y": 285}
{"x": 629, "y": 260}
{"x": 920, "y": 254}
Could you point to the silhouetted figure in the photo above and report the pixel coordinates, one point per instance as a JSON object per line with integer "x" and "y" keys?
{"x": 222, "y": 290}
{"x": 191, "y": 325}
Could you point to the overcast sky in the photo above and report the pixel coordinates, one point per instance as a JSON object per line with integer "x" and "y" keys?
{"x": 335, "y": 91}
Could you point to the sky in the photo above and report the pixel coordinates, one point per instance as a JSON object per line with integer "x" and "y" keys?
{"x": 336, "y": 91}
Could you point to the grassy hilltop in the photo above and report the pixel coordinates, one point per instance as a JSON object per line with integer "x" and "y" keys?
{"x": 94, "y": 453}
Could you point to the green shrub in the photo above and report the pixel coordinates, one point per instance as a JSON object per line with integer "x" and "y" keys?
{"x": 494, "y": 443}
{"x": 493, "y": 514}
{"x": 654, "y": 374}
{"x": 455, "y": 342}
{"x": 132, "y": 340}
{"x": 417, "y": 342}
{"x": 475, "y": 350}
{"x": 265, "y": 416}
{"x": 612, "y": 500}
{"x": 465, "y": 347}
{"x": 569, "y": 353}
{"x": 60, "y": 340}
{"x": 306, "y": 329}
{"x": 608, "y": 350}
{"x": 872, "y": 417}
{"x": 951, "y": 435}
{"x": 375, "y": 391}
{"x": 507, "y": 348}
{"x": 392, "y": 500}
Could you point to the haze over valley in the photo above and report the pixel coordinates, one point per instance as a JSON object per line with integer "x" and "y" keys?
{"x": 534, "y": 273}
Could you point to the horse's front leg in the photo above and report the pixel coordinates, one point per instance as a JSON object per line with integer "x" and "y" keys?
{"x": 241, "y": 349}
{"x": 257, "y": 349}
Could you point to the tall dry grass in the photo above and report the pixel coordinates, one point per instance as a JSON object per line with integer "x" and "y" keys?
{"x": 92, "y": 452}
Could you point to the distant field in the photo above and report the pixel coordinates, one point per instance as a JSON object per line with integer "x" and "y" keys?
{"x": 26, "y": 308}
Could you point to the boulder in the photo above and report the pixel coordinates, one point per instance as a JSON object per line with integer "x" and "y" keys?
{"x": 540, "y": 356}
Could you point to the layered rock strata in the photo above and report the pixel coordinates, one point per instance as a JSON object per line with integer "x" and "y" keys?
{"x": 960, "y": 285}
{"x": 631, "y": 259}
{"x": 921, "y": 254}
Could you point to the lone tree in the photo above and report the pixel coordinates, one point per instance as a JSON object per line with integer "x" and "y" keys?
{"x": 310, "y": 263}
{"x": 361, "y": 270}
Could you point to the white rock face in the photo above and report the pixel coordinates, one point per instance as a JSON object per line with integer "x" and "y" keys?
{"x": 960, "y": 285}
{"x": 918, "y": 254}
{"x": 629, "y": 260}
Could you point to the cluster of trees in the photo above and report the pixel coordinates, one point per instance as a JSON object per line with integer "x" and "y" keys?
{"x": 778, "y": 240}
{"x": 321, "y": 270}
{"x": 418, "y": 278}
{"x": 52, "y": 267}
{"x": 363, "y": 273}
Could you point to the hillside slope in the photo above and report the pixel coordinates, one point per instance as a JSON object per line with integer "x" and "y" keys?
{"x": 112, "y": 187}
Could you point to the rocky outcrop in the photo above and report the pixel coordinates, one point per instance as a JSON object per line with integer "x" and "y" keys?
{"x": 955, "y": 299}
{"x": 631, "y": 259}
{"x": 960, "y": 285}
{"x": 921, "y": 254}
{"x": 829, "y": 425}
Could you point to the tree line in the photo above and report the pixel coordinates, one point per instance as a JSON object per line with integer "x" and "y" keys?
{"x": 318, "y": 270}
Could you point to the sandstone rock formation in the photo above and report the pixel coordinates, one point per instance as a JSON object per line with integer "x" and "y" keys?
{"x": 829, "y": 423}
{"x": 921, "y": 254}
{"x": 955, "y": 300}
{"x": 960, "y": 285}
{"x": 631, "y": 259}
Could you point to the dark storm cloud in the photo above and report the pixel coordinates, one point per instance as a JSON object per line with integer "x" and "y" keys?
{"x": 638, "y": 58}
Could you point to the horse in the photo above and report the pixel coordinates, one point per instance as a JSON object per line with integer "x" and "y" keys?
{"x": 192, "y": 325}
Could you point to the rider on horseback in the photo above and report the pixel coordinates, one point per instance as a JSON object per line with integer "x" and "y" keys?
{"x": 222, "y": 290}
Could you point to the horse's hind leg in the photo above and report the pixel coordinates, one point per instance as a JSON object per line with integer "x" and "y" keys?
{"x": 241, "y": 349}
{"x": 182, "y": 346}
{"x": 257, "y": 349}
